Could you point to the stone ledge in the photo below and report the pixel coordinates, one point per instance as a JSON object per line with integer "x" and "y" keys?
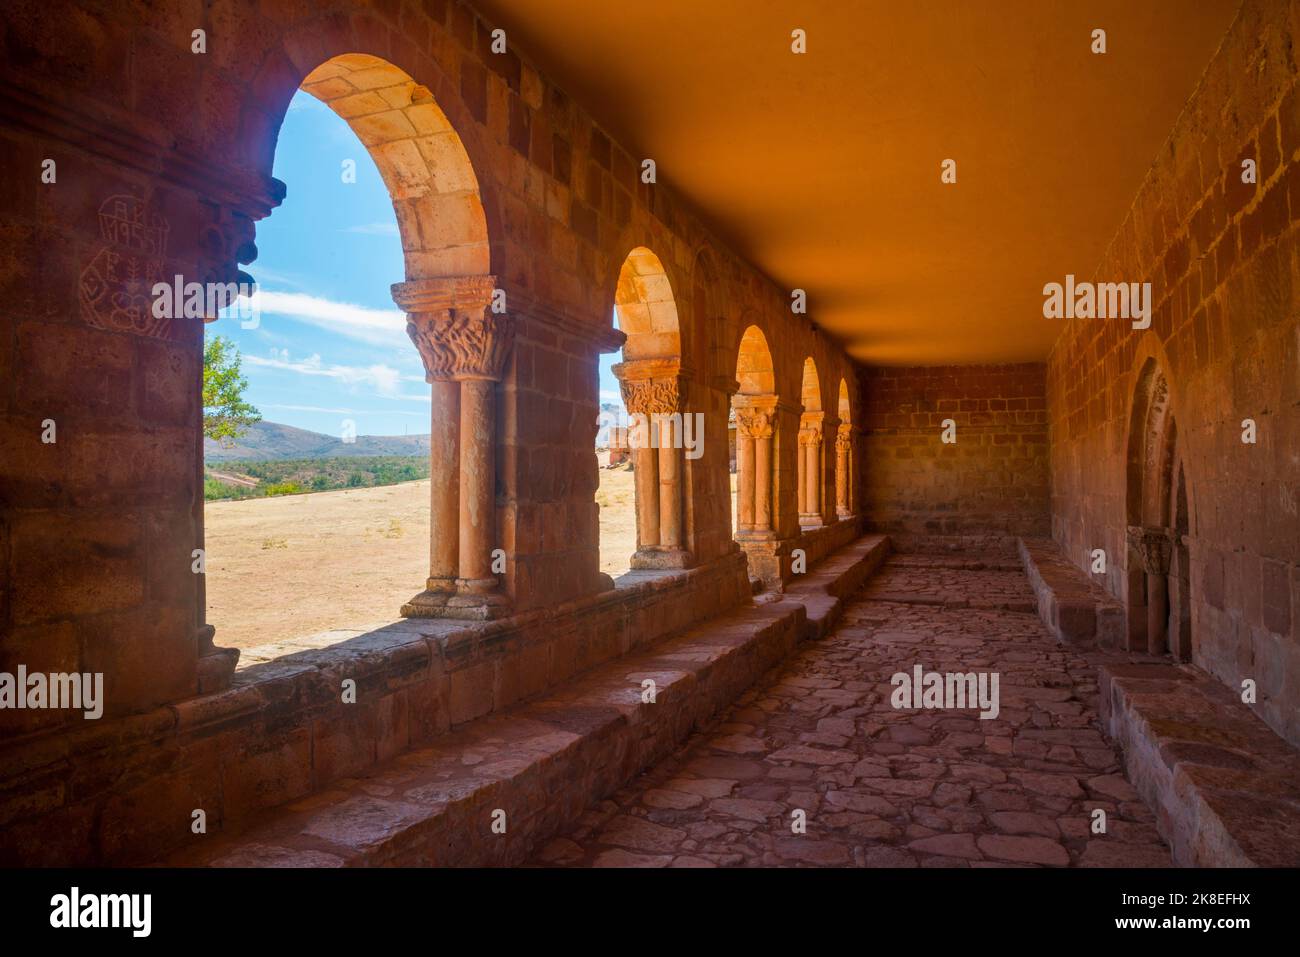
{"x": 280, "y": 731}
{"x": 1225, "y": 788}
{"x": 1073, "y": 607}
{"x": 544, "y": 762}
{"x": 823, "y": 590}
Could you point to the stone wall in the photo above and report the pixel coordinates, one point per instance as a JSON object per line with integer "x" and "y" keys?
{"x": 993, "y": 478}
{"x": 164, "y": 156}
{"x": 1223, "y": 259}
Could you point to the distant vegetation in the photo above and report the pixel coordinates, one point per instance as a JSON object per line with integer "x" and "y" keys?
{"x": 260, "y": 479}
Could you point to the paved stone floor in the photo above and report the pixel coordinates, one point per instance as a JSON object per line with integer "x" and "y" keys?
{"x": 881, "y": 787}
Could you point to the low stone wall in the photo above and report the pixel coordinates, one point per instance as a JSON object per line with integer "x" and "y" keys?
{"x": 1225, "y": 788}
{"x": 1076, "y": 610}
{"x": 109, "y": 791}
{"x": 541, "y": 764}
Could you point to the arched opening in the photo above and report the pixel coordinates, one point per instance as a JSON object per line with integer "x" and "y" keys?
{"x": 754, "y": 408}
{"x": 652, "y": 381}
{"x": 844, "y": 456}
{"x": 810, "y": 448}
{"x": 325, "y": 313}
{"x": 1158, "y": 577}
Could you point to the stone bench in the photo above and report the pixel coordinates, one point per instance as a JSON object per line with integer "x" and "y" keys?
{"x": 536, "y": 767}
{"x": 1225, "y": 788}
{"x": 1075, "y": 609}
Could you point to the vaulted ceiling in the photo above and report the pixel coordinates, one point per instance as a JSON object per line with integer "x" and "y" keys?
{"x": 823, "y": 169}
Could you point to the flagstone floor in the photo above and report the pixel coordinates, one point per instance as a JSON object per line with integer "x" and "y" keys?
{"x": 819, "y": 741}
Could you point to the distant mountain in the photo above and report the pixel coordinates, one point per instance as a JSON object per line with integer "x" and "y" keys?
{"x": 270, "y": 440}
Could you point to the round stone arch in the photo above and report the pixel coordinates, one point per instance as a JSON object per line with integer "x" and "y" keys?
{"x": 423, "y": 156}
{"x": 754, "y": 408}
{"x": 428, "y": 151}
{"x": 845, "y": 463}
{"x": 811, "y": 477}
{"x": 1159, "y": 511}
{"x": 653, "y": 378}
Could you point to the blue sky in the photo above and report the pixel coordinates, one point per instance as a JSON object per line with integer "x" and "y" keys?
{"x": 331, "y": 346}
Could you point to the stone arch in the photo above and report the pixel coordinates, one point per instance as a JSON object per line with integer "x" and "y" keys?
{"x": 811, "y": 422}
{"x": 844, "y": 455}
{"x": 652, "y": 378}
{"x": 755, "y": 409}
{"x": 421, "y": 158}
{"x": 417, "y": 95}
{"x": 755, "y": 374}
{"x": 1158, "y": 518}
{"x": 463, "y": 338}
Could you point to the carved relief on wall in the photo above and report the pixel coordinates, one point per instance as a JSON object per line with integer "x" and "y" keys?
{"x": 115, "y": 291}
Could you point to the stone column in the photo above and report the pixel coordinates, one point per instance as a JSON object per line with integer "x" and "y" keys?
{"x": 477, "y": 484}
{"x": 843, "y": 449}
{"x": 645, "y": 466}
{"x": 810, "y": 439}
{"x": 754, "y": 426}
{"x": 745, "y": 476}
{"x": 1154, "y": 548}
{"x": 763, "y": 475}
{"x": 444, "y": 487}
{"x": 652, "y": 391}
{"x": 754, "y": 449}
{"x": 465, "y": 348}
{"x": 670, "y": 482}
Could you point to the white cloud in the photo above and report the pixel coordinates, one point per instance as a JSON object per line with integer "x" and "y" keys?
{"x": 374, "y": 229}
{"x": 309, "y": 408}
{"x": 382, "y": 327}
{"x": 385, "y": 379}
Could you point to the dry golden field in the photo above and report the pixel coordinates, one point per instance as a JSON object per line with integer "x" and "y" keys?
{"x": 295, "y": 565}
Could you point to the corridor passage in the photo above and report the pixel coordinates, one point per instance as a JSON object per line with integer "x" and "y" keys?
{"x": 881, "y": 787}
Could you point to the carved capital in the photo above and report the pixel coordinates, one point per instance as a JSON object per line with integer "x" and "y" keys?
{"x": 844, "y": 438}
{"x": 651, "y": 386}
{"x": 1153, "y": 546}
{"x": 810, "y": 435}
{"x": 452, "y": 324}
{"x": 651, "y": 396}
{"x": 755, "y": 423}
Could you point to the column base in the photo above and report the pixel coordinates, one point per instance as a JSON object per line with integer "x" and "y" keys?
{"x": 656, "y": 556}
{"x": 462, "y": 606}
{"x": 441, "y": 585}
{"x": 810, "y": 521}
{"x": 765, "y": 554}
{"x": 216, "y": 665}
{"x": 843, "y": 513}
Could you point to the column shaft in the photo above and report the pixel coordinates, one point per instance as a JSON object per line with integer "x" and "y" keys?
{"x": 1157, "y": 613}
{"x": 841, "y": 479}
{"x": 745, "y": 465}
{"x": 670, "y": 485}
{"x": 444, "y": 487}
{"x": 477, "y": 484}
{"x": 763, "y": 484}
{"x": 646, "y": 473}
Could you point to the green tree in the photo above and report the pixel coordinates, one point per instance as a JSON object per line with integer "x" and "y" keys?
{"x": 225, "y": 413}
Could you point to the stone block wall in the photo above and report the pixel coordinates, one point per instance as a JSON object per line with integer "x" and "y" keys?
{"x": 993, "y": 478}
{"x": 1223, "y": 258}
{"x": 164, "y": 160}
